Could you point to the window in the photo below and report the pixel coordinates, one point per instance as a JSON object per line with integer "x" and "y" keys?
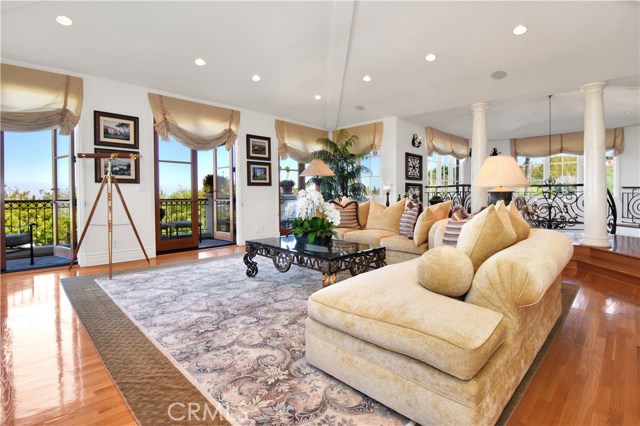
{"x": 290, "y": 183}
{"x": 563, "y": 168}
{"x": 371, "y": 180}
{"x": 442, "y": 170}
{"x": 610, "y": 167}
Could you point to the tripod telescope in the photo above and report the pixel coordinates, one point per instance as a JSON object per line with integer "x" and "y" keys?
{"x": 108, "y": 181}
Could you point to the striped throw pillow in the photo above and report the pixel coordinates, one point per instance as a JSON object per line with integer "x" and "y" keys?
{"x": 409, "y": 218}
{"x": 458, "y": 212}
{"x": 348, "y": 214}
{"x": 452, "y": 231}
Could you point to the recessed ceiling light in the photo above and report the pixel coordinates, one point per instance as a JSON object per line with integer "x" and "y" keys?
{"x": 317, "y": 97}
{"x": 520, "y": 29}
{"x": 64, "y": 20}
{"x": 256, "y": 77}
{"x": 366, "y": 78}
{"x": 430, "y": 57}
{"x": 200, "y": 62}
{"x": 628, "y": 113}
{"x": 359, "y": 107}
{"x": 498, "y": 75}
{"x": 498, "y": 129}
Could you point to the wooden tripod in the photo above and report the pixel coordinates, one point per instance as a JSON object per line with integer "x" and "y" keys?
{"x": 108, "y": 181}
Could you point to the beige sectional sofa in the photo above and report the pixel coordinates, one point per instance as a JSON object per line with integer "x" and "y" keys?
{"x": 441, "y": 360}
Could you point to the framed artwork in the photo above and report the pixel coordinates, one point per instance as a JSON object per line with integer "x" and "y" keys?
{"x": 258, "y": 148}
{"x": 413, "y": 191}
{"x": 115, "y": 130}
{"x": 412, "y": 166}
{"x": 258, "y": 174}
{"x": 125, "y": 170}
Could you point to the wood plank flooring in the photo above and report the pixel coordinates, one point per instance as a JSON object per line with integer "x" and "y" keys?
{"x": 51, "y": 374}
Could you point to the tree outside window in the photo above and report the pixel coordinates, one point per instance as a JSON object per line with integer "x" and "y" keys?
{"x": 442, "y": 170}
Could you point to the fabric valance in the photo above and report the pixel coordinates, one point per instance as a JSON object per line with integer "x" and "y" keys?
{"x": 369, "y": 137}
{"x": 34, "y": 100}
{"x": 197, "y": 126}
{"x": 566, "y": 143}
{"x": 298, "y": 142}
{"x": 446, "y": 144}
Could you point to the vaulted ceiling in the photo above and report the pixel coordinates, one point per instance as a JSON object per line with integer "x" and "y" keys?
{"x": 306, "y": 48}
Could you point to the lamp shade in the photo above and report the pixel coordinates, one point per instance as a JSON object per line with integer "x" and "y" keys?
{"x": 317, "y": 168}
{"x": 500, "y": 170}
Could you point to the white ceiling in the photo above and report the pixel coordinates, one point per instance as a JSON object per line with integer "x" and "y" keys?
{"x": 306, "y": 48}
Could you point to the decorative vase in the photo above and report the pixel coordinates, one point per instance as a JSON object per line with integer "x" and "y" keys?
{"x": 301, "y": 241}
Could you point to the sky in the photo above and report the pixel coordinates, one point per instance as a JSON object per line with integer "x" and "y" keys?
{"x": 28, "y": 164}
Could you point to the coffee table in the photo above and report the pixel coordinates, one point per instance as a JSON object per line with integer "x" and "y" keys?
{"x": 340, "y": 256}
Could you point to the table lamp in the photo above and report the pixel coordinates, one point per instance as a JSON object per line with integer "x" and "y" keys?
{"x": 387, "y": 189}
{"x": 500, "y": 171}
{"x": 316, "y": 169}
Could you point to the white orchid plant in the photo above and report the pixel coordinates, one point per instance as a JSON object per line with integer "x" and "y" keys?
{"x": 308, "y": 221}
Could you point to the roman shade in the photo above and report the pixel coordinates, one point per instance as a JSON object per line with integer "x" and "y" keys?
{"x": 446, "y": 144}
{"x": 566, "y": 143}
{"x": 369, "y": 138}
{"x": 298, "y": 142}
{"x": 197, "y": 126}
{"x": 34, "y": 100}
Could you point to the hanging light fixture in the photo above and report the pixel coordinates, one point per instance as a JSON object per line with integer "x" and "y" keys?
{"x": 550, "y": 125}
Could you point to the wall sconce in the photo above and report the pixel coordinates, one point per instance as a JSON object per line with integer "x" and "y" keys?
{"x": 416, "y": 141}
{"x": 386, "y": 187}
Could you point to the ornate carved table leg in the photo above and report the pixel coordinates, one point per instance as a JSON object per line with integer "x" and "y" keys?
{"x": 328, "y": 279}
{"x": 252, "y": 267}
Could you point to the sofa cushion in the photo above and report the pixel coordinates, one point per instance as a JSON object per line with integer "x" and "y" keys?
{"x": 341, "y": 231}
{"x": 409, "y": 218}
{"x": 448, "y": 334}
{"x": 520, "y": 225}
{"x": 486, "y": 234}
{"x": 371, "y": 237}
{"x": 348, "y": 214}
{"x": 446, "y": 271}
{"x": 363, "y": 213}
{"x": 427, "y": 218}
{"x": 402, "y": 244}
{"x": 385, "y": 218}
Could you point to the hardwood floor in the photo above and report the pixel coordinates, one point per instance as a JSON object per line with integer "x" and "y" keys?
{"x": 51, "y": 374}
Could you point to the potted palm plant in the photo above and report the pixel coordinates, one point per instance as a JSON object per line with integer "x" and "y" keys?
{"x": 346, "y": 166}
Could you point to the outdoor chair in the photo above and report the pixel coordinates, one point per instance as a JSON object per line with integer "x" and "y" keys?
{"x": 16, "y": 241}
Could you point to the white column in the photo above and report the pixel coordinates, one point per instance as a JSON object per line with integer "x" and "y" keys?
{"x": 478, "y": 153}
{"x": 595, "y": 188}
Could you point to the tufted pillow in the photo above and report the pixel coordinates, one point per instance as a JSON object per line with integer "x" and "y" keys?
{"x": 445, "y": 270}
{"x": 485, "y": 234}
{"x": 520, "y": 225}
{"x": 385, "y": 218}
{"x": 409, "y": 218}
{"x": 348, "y": 214}
{"x": 427, "y": 218}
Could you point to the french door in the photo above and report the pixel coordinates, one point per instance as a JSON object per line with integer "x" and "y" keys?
{"x": 223, "y": 196}
{"x": 63, "y": 195}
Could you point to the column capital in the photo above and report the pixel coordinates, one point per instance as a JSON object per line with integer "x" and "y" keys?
{"x": 593, "y": 87}
{"x": 479, "y": 106}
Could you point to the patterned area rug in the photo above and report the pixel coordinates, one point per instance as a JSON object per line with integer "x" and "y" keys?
{"x": 242, "y": 340}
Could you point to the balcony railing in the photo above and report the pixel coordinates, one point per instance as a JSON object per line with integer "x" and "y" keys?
{"x": 630, "y": 200}
{"x": 18, "y": 214}
{"x": 179, "y": 210}
{"x": 458, "y": 194}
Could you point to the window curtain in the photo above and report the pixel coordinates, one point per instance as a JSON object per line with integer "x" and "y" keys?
{"x": 369, "y": 138}
{"x": 446, "y": 144}
{"x": 298, "y": 142}
{"x": 567, "y": 143}
{"x": 197, "y": 126}
{"x": 34, "y": 100}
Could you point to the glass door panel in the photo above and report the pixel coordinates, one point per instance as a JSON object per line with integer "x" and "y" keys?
{"x": 176, "y": 197}
{"x": 63, "y": 196}
{"x": 223, "y": 195}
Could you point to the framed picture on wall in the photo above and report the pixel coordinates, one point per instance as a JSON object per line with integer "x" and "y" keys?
{"x": 125, "y": 170}
{"x": 413, "y": 191}
{"x": 412, "y": 166}
{"x": 258, "y": 174}
{"x": 258, "y": 148}
{"x": 115, "y": 130}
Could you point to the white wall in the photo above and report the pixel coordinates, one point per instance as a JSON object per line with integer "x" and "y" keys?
{"x": 629, "y": 160}
{"x": 404, "y": 133}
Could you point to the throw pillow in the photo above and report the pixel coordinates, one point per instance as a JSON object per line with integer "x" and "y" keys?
{"x": 458, "y": 212}
{"x": 348, "y": 214}
{"x": 520, "y": 225}
{"x": 409, "y": 218}
{"x": 427, "y": 218}
{"x": 452, "y": 230}
{"x": 363, "y": 213}
{"x": 385, "y": 218}
{"x": 486, "y": 234}
{"x": 445, "y": 270}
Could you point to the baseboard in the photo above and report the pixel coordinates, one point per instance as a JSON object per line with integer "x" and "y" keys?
{"x": 118, "y": 256}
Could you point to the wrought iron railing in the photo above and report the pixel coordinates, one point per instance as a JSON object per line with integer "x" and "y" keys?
{"x": 179, "y": 209}
{"x": 559, "y": 206}
{"x": 458, "y": 194}
{"x": 18, "y": 214}
{"x": 630, "y": 203}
